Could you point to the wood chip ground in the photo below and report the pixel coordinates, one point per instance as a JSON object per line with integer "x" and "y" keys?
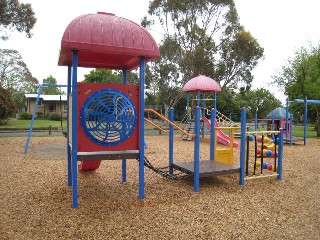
{"x": 35, "y": 201}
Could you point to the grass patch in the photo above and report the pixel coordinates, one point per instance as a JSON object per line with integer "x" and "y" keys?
{"x": 25, "y": 124}
{"x": 298, "y": 131}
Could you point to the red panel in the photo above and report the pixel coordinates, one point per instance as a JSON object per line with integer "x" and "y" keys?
{"x": 87, "y": 89}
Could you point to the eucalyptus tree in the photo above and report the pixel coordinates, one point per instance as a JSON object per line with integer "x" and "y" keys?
{"x": 200, "y": 37}
{"x": 16, "y": 15}
{"x": 301, "y": 78}
{"x": 15, "y": 75}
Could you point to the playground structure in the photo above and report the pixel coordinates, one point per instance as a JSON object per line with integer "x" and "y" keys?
{"x": 289, "y": 122}
{"x": 106, "y": 121}
{"x": 264, "y": 148}
{"x": 202, "y": 85}
{"x": 35, "y": 111}
{"x": 277, "y": 119}
{"x": 281, "y": 118}
{"x": 221, "y": 161}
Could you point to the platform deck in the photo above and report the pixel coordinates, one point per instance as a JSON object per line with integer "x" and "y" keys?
{"x": 208, "y": 168}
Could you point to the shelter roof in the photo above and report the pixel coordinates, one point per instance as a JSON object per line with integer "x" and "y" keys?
{"x": 106, "y": 41}
{"x": 278, "y": 113}
{"x": 202, "y": 84}
{"x": 47, "y": 97}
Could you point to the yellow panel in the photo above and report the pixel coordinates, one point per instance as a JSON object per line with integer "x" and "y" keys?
{"x": 224, "y": 156}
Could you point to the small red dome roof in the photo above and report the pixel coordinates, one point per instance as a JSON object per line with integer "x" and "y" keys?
{"x": 106, "y": 41}
{"x": 202, "y": 84}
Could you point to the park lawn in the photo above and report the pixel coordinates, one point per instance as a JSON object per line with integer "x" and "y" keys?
{"x": 25, "y": 124}
{"x": 298, "y": 132}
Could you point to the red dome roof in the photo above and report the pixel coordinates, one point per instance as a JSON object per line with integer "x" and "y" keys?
{"x": 106, "y": 41}
{"x": 202, "y": 84}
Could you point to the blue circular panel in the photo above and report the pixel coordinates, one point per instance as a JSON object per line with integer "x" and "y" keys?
{"x": 108, "y": 117}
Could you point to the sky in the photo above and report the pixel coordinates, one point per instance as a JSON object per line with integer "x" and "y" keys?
{"x": 280, "y": 26}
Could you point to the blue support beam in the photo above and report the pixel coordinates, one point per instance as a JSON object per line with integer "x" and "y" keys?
{"x": 256, "y": 121}
{"x": 171, "y": 135}
{"x": 187, "y": 108}
{"x": 124, "y": 161}
{"x": 305, "y": 118}
{"x": 203, "y": 113}
{"x": 141, "y": 128}
{"x": 212, "y": 133}
{"x": 32, "y": 120}
{"x": 68, "y": 125}
{"x": 74, "y": 157}
{"x": 280, "y": 154}
{"x": 196, "y": 175}
{"x": 35, "y": 111}
{"x": 242, "y": 146}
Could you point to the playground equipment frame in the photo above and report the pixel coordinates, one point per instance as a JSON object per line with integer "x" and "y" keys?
{"x": 35, "y": 111}
{"x": 305, "y": 101}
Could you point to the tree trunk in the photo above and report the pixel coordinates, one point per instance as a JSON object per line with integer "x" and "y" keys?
{"x": 166, "y": 110}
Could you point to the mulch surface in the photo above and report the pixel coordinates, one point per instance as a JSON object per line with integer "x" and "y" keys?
{"x": 35, "y": 201}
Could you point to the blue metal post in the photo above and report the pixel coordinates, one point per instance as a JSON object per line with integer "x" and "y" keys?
{"x": 171, "y": 134}
{"x": 203, "y": 113}
{"x": 287, "y": 118}
{"x": 196, "y": 176}
{"x": 272, "y": 127}
{"x": 256, "y": 121}
{"x": 124, "y": 161}
{"x": 141, "y": 128}
{"x": 212, "y": 132}
{"x": 35, "y": 111}
{"x": 242, "y": 146}
{"x": 290, "y": 128}
{"x": 215, "y": 100}
{"x": 74, "y": 164}
{"x": 32, "y": 120}
{"x": 305, "y": 121}
{"x": 198, "y": 96}
{"x": 280, "y": 150}
{"x": 68, "y": 124}
{"x": 187, "y": 108}
{"x": 230, "y": 117}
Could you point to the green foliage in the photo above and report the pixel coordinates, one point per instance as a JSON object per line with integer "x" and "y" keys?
{"x": 200, "y": 37}
{"x": 25, "y": 116}
{"x": 239, "y": 56}
{"x": 51, "y": 90}
{"x": 16, "y": 15}
{"x": 301, "y": 78}
{"x": 7, "y": 105}
{"x": 102, "y": 76}
{"x": 15, "y": 75}
{"x": 259, "y": 101}
{"x": 228, "y": 103}
{"x": 54, "y": 117}
{"x": 39, "y": 114}
{"x": 3, "y": 122}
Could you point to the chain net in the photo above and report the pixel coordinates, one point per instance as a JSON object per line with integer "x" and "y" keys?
{"x": 174, "y": 174}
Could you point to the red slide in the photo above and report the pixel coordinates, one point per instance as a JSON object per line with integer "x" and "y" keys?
{"x": 221, "y": 136}
{"x": 89, "y": 165}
